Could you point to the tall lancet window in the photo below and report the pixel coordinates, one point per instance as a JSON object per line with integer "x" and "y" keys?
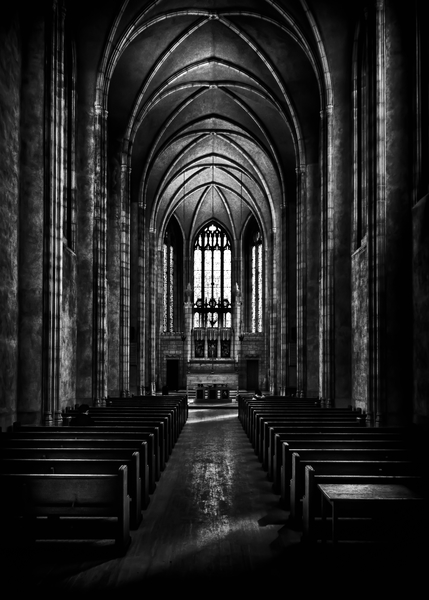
{"x": 212, "y": 278}
{"x": 256, "y": 282}
{"x": 173, "y": 278}
{"x": 168, "y": 282}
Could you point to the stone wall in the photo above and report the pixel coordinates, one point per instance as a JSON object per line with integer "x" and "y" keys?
{"x": 32, "y": 220}
{"x": 10, "y": 80}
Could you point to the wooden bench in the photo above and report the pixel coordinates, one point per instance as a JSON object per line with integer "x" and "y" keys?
{"x": 255, "y": 431}
{"x": 172, "y": 416}
{"x": 327, "y": 443}
{"x": 156, "y": 426}
{"x": 244, "y": 403}
{"x": 87, "y": 440}
{"x": 75, "y": 452}
{"x": 164, "y": 418}
{"x": 342, "y": 472}
{"x": 393, "y": 501}
{"x": 178, "y": 402}
{"x": 292, "y": 481}
{"x": 109, "y": 432}
{"x": 331, "y": 415}
{"x": 86, "y": 466}
{"x": 52, "y": 495}
{"x": 322, "y": 431}
{"x": 279, "y": 434}
{"x": 263, "y": 423}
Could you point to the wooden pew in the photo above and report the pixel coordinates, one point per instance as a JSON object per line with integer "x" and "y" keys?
{"x": 263, "y": 422}
{"x": 244, "y": 404}
{"x": 342, "y": 472}
{"x": 282, "y": 433}
{"x": 83, "y": 439}
{"x": 164, "y": 415}
{"x": 260, "y": 419}
{"x": 75, "y": 451}
{"x": 47, "y": 495}
{"x": 395, "y": 502}
{"x": 259, "y": 416}
{"x": 389, "y": 461}
{"x": 155, "y": 424}
{"x": 172, "y": 416}
{"x": 92, "y": 466}
{"x": 322, "y": 431}
{"x": 178, "y": 401}
{"x": 261, "y": 410}
{"x": 107, "y": 431}
{"x": 291, "y": 481}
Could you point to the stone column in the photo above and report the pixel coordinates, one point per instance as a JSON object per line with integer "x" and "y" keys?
{"x": 113, "y": 275}
{"x": 326, "y": 291}
{"x": 124, "y": 317}
{"x": 271, "y": 250}
{"x": 284, "y": 325}
{"x": 153, "y": 299}
{"x": 54, "y": 204}
{"x": 301, "y": 282}
{"x": 142, "y": 304}
{"x": 377, "y": 237}
{"x": 99, "y": 365}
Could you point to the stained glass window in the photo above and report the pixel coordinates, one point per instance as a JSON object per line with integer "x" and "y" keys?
{"x": 257, "y": 282}
{"x": 212, "y": 278}
{"x": 169, "y": 267}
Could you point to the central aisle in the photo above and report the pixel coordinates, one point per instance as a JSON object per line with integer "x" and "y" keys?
{"x": 213, "y": 515}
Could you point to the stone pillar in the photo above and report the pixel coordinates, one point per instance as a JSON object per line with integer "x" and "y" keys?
{"x": 326, "y": 291}
{"x": 54, "y": 205}
{"x": 301, "y": 282}
{"x": 113, "y": 275}
{"x": 377, "y": 238}
{"x": 124, "y": 318}
{"x": 99, "y": 375}
{"x": 142, "y": 302}
{"x": 153, "y": 293}
{"x": 283, "y": 278}
{"x": 271, "y": 250}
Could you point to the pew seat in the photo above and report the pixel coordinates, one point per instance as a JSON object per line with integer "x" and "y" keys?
{"x": 292, "y": 476}
{"x": 79, "y": 466}
{"x": 95, "y": 496}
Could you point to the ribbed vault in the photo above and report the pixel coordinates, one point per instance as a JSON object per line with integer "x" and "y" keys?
{"x": 214, "y": 107}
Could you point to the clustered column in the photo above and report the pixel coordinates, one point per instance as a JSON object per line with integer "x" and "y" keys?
{"x": 301, "y": 282}
{"x": 326, "y": 291}
{"x": 54, "y": 221}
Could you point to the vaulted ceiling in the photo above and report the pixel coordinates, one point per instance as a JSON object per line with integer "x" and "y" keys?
{"x": 216, "y": 103}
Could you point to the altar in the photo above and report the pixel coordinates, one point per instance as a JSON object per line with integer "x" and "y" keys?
{"x": 212, "y": 381}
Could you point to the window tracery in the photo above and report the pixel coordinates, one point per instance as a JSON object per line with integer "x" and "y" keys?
{"x": 212, "y": 278}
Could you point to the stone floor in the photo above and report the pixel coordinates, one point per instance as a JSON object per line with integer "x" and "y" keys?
{"x": 213, "y": 525}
